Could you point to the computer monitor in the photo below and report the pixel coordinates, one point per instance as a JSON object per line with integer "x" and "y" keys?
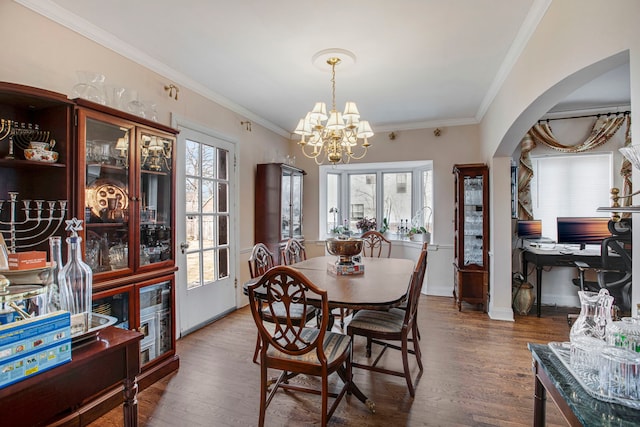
{"x": 582, "y": 230}
{"x": 530, "y": 229}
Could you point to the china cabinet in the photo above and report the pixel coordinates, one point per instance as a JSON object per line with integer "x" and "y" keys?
{"x": 30, "y": 114}
{"x": 471, "y": 234}
{"x": 125, "y": 194}
{"x": 278, "y": 204}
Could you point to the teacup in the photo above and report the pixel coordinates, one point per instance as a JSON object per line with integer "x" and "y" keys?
{"x": 41, "y": 155}
{"x": 39, "y": 145}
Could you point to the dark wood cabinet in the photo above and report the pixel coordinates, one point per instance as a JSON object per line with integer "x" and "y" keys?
{"x": 471, "y": 235}
{"x": 125, "y": 193}
{"x": 278, "y": 204}
{"x": 115, "y": 171}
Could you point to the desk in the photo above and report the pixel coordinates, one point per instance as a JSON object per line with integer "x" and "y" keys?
{"x": 67, "y": 392}
{"x": 553, "y": 258}
{"x": 576, "y": 405}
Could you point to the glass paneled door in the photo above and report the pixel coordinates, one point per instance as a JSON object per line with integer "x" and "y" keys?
{"x": 206, "y": 274}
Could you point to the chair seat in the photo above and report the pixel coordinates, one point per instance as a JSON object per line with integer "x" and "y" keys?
{"x": 379, "y": 321}
{"x": 335, "y": 345}
{"x": 297, "y": 311}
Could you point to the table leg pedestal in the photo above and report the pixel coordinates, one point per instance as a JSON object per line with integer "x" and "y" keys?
{"x": 130, "y": 404}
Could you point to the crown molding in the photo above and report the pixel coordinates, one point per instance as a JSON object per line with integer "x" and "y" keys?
{"x": 537, "y": 11}
{"x": 81, "y": 26}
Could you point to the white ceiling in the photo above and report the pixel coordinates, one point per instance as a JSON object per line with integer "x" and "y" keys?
{"x": 419, "y": 63}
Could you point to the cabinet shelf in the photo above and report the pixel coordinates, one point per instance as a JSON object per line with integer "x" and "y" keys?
{"x": 17, "y": 163}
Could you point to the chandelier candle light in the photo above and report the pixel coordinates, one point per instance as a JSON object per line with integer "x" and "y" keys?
{"x": 334, "y": 135}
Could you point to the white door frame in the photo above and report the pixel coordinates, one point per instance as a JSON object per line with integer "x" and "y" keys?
{"x": 178, "y": 122}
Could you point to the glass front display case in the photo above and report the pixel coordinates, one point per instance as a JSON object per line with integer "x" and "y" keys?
{"x": 107, "y": 195}
{"x": 473, "y": 220}
{"x": 155, "y": 321}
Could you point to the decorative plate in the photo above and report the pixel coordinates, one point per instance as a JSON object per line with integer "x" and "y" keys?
{"x": 99, "y": 193}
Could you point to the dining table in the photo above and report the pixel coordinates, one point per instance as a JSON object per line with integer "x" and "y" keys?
{"x": 383, "y": 285}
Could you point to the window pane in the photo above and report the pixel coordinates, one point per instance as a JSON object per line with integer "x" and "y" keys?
{"x": 223, "y": 263}
{"x": 208, "y": 231}
{"x": 207, "y": 196}
{"x": 208, "y": 267}
{"x": 362, "y": 197}
{"x": 573, "y": 185}
{"x": 208, "y": 161}
{"x": 223, "y": 192}
{"x": 397, "y": 197}
{"x": 193, "y": 270}
{"x": 192, "y": 160}
{"x": 223, "y": 230}
{"x": 427, "y": 198}
{"x": 334, "y": 218}
{"x": 223, "y": 170}
{"x": 192, "y": 197}
{"x": 193, "y": 232}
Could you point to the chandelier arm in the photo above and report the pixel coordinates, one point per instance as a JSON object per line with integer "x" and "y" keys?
{"x": 309, "y": 156}
{"x": 364, "y": 153}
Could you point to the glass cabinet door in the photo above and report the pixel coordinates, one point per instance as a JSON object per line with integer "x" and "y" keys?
{"x": 296, "y": 204}
{"x": 285, "y": 209}
{"x": 107, "y": 195}
{"x": 473, "y": 220}
{"x": 117, "y": 306}
{"x": 155, "y": 321}
{"x": 155, "y": 153}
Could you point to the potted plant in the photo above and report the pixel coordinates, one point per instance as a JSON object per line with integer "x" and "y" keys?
{"x": 419, "y": 234}
{"x": 366, "y": 224}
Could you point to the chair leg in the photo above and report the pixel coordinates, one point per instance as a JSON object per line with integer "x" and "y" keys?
{"x": 368, "y": 347}
{"x": 416, "y": 345}
{"x": 405, "y": 364}
{"x": 263, "y": 394}
{"x": 325, "y": 406}
{"x": 257, "y": 350}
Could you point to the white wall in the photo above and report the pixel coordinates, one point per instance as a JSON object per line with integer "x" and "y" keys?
{"x": 37, "y": 52}
{"x": 576, "y": 41}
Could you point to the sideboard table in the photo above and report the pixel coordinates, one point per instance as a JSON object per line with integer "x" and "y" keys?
{"x": 577, "y": 406}
{"x": 69, "y": 394}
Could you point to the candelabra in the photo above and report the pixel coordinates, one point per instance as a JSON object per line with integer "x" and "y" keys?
{"x": 21, "y": 135}
{"x": 39, "y": 220}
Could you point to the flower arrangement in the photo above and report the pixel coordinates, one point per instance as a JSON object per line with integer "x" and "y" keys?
{"x": 366, "y": 224}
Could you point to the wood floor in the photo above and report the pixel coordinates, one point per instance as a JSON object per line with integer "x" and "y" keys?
{"x": 477, "y": 372}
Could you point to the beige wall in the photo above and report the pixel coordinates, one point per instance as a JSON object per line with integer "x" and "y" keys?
{"x": 576, "y": 41}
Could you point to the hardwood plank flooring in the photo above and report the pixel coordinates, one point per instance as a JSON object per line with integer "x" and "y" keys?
{"x": 477, "y": 372}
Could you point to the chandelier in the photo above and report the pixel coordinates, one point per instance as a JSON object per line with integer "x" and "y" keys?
{"x": 333, "y": 137}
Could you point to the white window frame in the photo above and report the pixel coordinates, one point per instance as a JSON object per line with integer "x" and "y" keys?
{"x": 414, "y": 167}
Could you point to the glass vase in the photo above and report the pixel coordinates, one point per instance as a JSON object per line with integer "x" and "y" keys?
{"x": 75, "y": 281}
{"x": 595, "y": 315}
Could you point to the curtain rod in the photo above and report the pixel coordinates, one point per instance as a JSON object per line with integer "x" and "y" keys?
{"x": 626, "y": 113}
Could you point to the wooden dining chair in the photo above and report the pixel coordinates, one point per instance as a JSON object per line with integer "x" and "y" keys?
{"x": 385, "y": 327}
{"x": 261, "y": 261}
{"x": 293, "y": 348}
{"x": 293, "y": 251}
{"x": 375, "y": 245}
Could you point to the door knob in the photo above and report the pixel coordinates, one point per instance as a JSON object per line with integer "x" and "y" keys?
{"x": 184, "y": 246}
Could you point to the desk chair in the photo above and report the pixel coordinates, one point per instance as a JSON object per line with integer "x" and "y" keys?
{"x": 293, "y": 348}
{"x": 614, "y": 272}
{"x": 261, "y": 261}
{"x": 381, "y": 327}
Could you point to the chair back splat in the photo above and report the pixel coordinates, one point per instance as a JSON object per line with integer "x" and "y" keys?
{"x": 292, "y": 252}
{"x": 375, "y": 245}
{"x": 260, "y": 261}
{"x": 292, "y": 347}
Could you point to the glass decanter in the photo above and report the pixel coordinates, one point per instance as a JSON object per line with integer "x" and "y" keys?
{"x": 75, "y": 281}
{"x": 595, "y": 315}
{"x": 53, "y": 292}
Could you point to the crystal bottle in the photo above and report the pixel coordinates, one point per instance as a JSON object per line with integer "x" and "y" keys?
{"x": 75, "y": 280}
{"x": 53, "y": 293}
